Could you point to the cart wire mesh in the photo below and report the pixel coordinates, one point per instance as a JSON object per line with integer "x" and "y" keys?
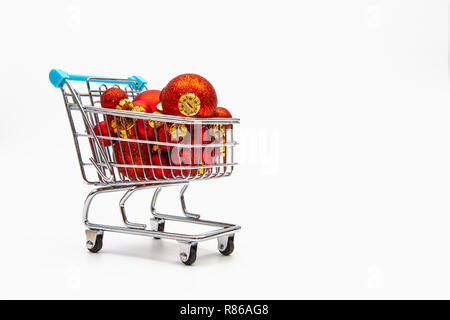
{"x": 117, "y": 147}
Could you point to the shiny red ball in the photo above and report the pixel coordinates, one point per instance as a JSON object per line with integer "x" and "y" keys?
{"x": 141, "y": 106}
{"x": 150, "y": 98}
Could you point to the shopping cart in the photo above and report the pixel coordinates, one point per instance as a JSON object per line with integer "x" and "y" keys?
{"x": 104, "y": 163}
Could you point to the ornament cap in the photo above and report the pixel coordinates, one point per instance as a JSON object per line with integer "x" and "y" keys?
{"x": 189, "y": 104}
{"x": 178, "y": 131}
{"x": 153, "y": 123}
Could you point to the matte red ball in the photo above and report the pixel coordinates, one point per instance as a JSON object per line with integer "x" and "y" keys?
{"x": 189, "y": 95}
{"x": 149, "y": 97}
{"x": 111, "y": 97}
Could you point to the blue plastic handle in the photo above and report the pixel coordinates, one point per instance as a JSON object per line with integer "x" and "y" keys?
{"x": 58, "y": 78}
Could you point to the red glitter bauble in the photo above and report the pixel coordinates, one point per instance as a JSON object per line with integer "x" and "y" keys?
{"x": 144, "y": 130}
{"x": 111, "y": 97}
{"x": 132, "y": 154}
{"x": 160, "y": 159}
{"x": 189, "y": 95}
{"x": 205, "y": 155}
{"x": 101, "y": 129}
{"x": 182, "y": 157}
{"x": 175, "y": 133}
{"x": 149, "y": 97}
{"x": 222, "y": 113}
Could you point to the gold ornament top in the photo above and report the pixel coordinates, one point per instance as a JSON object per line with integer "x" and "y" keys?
{"x": 138, "y": 109}
{"x": 218, "y": 132}
{"x": 201, "y": 171}
{"x": 159, "y": 107}
{"x": 178, "y": 131}
{"x": 125, "y": 104}
{"x": 155, "y": 124}
{"x": 189, "y": 104}
{"x": 125, "y": 128}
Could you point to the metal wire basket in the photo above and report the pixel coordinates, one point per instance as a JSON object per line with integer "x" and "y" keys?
{"x": 204, "y": 152}
{"x": 121, "y": 150}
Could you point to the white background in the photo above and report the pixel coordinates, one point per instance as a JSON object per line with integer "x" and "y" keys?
{"x": 343, "y": 186}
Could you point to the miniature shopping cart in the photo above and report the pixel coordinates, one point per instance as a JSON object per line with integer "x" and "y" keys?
{"x": 104, "y": 167}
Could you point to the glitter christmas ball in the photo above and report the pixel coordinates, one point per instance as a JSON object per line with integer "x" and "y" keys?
{"x": 222, "y": 113}
{"x": 111, "y": 97}
{"x": 189, "y": 95}
{"x": 101, "y": 129}
{"x": 160, "y": 159}
{"x": 175, "y": 133}
{"x": 132, "y": 154}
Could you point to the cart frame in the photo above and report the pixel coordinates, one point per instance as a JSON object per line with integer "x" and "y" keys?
{"x": 110, "y": 177}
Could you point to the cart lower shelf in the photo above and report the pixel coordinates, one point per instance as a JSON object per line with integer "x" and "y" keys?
{"x": 188, "y": 243}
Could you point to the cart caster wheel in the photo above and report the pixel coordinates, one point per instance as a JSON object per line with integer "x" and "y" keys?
{"x": 226, "y": 245}
{"x": 157, "y": 225}
{"x": 94, "y": 242}
{"x": 188, "y": 253}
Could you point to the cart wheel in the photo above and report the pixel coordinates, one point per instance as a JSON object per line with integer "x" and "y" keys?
{"x": 189, "y": 256}
{"x": 94, "y": 241}
{"x": 226, "y": 245}
{"x": 157, "y": 225}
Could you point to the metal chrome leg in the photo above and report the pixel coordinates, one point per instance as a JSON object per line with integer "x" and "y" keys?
{"x": 153, "y": 203}
{"x": 183, "y": 204}
{"x": 124, "y": 215}
{"x": 157, "y": 225}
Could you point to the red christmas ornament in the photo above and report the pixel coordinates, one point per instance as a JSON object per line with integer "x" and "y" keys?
{"x": 146, "y": 128}
{"x": 182, "y": 157}
{"x": 111, "y": 97}
{"x": 160, "y": 159}
{"x": 207, "y": 155}
{"x": 150, "y": 98}
{"x": 141, "y": 106}
{"x": 222, "y": 113}
{"x": 187, "y": 154}
{"x": 145, "y": 131}
{"x": 126, "y": 127}
{"x": 175, "y": 133}
{"x": 101, "y": 129}
{"x": 189, "y": 95}
{"x": 132, "y": 154}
